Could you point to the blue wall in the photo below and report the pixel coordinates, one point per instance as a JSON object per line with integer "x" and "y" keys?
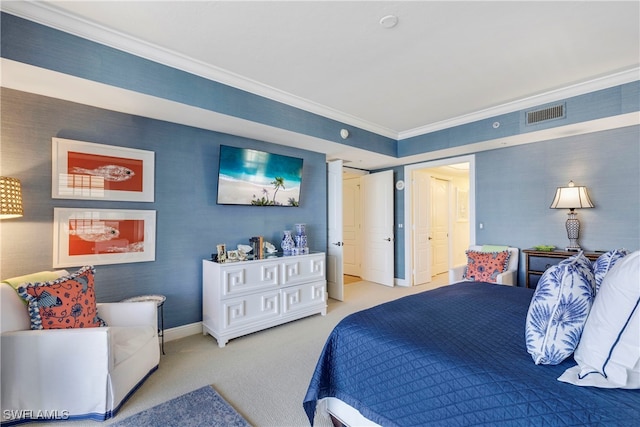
{"x": 189, "y": 222}
{"x": 603, "y": 103}
{"x": 597, "y": 159}
{"x": 515, "y": 187}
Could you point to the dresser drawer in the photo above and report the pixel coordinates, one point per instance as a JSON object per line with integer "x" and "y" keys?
{"x": 251, "y": 309}
{"x": 302, "y": 270}
{"x": 541, "y": 263}
{"x": 241, "y": 279}
{"x": 303, "y": 296}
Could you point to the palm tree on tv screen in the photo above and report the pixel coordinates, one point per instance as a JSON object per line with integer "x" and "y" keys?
{"x": 278, "y": 183}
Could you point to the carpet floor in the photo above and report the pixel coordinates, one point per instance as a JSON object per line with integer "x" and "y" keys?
{"x": 264, "y": 375}
{"x": 201, "y": 407}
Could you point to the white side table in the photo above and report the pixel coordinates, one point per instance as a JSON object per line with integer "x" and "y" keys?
{"x": 159, "y": 300}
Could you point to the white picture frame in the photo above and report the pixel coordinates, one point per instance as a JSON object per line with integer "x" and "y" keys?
{"x": 87, "y": 236}
{"x": 89, "y": 171}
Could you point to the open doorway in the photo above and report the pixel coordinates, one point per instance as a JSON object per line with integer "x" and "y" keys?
{"x": 439, "y": 217}
{"x": 377, "y": 243}
{"x": 352, "y": 224}
{"x": 351, "y": 228}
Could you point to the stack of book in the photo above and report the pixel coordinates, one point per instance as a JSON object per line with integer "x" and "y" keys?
{"x": 257, "y": 244}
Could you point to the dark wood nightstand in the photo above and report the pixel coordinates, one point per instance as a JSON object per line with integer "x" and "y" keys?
{"x": 538, "y": 261}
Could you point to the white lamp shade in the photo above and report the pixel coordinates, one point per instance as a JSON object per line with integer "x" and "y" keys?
{"x": 571, "y": 198}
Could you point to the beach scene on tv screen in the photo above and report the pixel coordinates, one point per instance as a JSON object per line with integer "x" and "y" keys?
{"x": 252, "y": 177}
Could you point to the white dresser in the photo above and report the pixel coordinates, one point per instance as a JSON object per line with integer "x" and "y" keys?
{"x": 242, "y": 297}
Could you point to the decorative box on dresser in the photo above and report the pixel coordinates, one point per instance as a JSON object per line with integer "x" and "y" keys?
{"x": 538, "y": 261}
{"x": 239, "y": 298}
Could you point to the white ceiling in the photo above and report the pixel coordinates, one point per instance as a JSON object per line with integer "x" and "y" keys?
{"x": 445, "y": 62}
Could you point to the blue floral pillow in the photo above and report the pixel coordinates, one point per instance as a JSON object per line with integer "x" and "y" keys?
{"x": 605, "y": 262}
{"x": 559, "y": 310}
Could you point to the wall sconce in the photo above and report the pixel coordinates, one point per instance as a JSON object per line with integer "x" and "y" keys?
{"x": 572, "y": 198}
{"x": 344, "y": 133}
{"x": 10, "y": 198}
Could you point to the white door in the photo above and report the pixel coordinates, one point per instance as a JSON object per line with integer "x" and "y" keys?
{"x": 351, "y": 226}
{"x": 421, "y": 228}
{"x": 439, "y": 225}
{"x": 335, "y": 280}
{"x": 377, "y": 227}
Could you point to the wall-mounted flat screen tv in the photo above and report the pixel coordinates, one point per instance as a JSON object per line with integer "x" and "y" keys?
{"x": 252, "y": 177}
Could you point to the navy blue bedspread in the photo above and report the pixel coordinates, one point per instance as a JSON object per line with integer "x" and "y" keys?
{"x": 456, "y": 356}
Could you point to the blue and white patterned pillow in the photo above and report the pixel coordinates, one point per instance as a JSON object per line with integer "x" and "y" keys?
{"x": 559, "y": 310}
{"x": 605, "y": 262}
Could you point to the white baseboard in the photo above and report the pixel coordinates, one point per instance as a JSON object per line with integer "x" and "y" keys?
{"x": 182, "y": 331}
{"x": 402, "y": 282}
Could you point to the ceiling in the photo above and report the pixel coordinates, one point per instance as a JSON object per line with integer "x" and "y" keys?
{"x": 445, "y": 62}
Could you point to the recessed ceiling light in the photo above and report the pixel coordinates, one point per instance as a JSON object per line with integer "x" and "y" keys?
{"x": 389, "y": 21}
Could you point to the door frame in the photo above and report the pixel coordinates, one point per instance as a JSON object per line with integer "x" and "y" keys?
{"x": 408, "y": 200}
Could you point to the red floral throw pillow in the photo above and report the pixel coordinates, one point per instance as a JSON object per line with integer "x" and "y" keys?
{"x": 485, "y": 266}
{"x": 65, "y": 303}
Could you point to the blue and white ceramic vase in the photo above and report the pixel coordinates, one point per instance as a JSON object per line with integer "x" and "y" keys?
{"x": 301, "y": 238}
{"x": 287, "y": 243}
{"x": 301, "y": 241}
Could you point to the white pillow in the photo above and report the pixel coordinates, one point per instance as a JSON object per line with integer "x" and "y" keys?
{"x": 559, "y": 309}
{"x": 609, "y": 352}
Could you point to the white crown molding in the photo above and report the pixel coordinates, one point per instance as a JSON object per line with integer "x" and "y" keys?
{"x": 526, "y": 103}
{"x": 52, "y": 17}
{"x": 47, "y": 15}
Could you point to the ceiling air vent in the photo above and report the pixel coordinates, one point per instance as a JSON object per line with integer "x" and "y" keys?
{"x": 549, "y": 113}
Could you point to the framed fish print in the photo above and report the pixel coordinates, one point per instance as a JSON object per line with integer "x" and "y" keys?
{"x": 87, "y": 236}
{"x": 89, "y": 171}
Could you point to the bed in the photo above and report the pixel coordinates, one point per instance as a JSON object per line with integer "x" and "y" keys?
{"x": 455, "y": 355}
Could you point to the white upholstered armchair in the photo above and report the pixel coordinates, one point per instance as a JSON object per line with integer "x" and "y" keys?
{"x": 73, "y": 373}
{"x": 509, "y": 277}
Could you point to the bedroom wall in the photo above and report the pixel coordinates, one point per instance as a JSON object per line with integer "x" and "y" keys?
{"x": 31, "y": 43}
{"x": 189, "y": 222}
{"x": 27, "y": 42}
{"x": 515, "y": 187}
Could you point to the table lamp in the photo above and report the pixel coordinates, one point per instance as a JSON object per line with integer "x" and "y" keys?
{"x": 10, "y": 198}
{"x": 572, "y": 198}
